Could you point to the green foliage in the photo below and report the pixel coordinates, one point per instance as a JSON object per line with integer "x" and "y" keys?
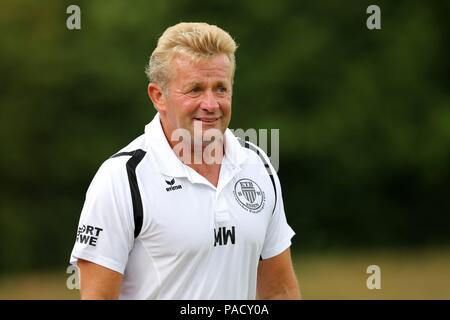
{"x": 364, "y": 115}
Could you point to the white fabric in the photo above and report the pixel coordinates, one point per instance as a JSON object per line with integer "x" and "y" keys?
{"x": 180, "y": 252}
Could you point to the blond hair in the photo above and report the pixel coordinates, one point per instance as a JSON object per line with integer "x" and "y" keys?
{"x": 197, "y": 40}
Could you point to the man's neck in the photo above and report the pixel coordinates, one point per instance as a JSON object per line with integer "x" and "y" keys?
{"x": 206, "y": 159}
{"x": 209, "y": 166}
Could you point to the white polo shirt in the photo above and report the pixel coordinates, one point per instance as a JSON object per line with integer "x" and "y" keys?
{"x": 171, "y": 233}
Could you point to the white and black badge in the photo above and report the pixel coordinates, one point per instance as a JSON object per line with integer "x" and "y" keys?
{"x": 249, "y": 195}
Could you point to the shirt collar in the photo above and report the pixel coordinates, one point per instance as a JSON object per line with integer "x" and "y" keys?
{"x": 234, "y": 152}
{"x": 167, "y": 161}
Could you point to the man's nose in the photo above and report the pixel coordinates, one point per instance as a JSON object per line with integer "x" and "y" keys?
{"x": 209, "y": 102}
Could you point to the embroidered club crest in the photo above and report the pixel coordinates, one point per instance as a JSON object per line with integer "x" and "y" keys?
{"x": 249, "y": 195}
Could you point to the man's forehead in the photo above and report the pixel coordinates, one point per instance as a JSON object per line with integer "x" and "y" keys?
{"x": 200, "y": 82}
{"x": 215, "y": 63}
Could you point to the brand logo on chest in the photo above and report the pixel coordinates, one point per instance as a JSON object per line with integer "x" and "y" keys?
{"x": 172, "y": 186}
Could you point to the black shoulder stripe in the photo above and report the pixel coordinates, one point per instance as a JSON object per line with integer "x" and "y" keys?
{"x": 247, "y": 145}
{"x": 130, "y": 153}
{"x": 132, "y": 163}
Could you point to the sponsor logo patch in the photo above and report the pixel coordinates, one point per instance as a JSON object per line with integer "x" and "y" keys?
{"x": 88, "y": 234}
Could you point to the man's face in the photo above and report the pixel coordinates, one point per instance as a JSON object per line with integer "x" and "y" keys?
{"x": 198, "y": 93}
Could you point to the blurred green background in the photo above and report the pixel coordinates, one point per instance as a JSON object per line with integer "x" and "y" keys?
{"x": 364, "y": 119}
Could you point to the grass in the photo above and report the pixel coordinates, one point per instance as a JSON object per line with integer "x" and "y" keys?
{"x": 38, "y": 286}
{"x": 405, "y": 274}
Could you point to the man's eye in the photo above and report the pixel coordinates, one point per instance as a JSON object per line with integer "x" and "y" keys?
{"x": 222, "y": 89}
{"x": 195, "y": 89}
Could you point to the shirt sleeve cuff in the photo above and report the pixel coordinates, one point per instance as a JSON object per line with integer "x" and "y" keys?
{"x": 278, "y": 248}
{"x": 103, "y": 261}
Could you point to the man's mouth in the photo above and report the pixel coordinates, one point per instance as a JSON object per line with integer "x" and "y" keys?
{"x": 207, "y": 120}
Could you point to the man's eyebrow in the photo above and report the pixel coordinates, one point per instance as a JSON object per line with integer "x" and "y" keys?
{"x": 222, "y": 83}
{"x": 192, "y": 84}
{"x": 218, "y": 83}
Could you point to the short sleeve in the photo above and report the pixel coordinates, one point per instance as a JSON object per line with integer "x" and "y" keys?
{"x": 105, "y": 233}
{"x": 279, "y": 233}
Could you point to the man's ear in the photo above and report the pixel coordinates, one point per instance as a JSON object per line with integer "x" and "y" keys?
{"x": 157, "y": 96}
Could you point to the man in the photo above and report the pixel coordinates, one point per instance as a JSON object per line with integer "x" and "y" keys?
{"x": 186, "y": 211}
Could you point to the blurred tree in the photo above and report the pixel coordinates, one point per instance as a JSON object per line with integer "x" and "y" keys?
{"x": 364, "y": 115}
